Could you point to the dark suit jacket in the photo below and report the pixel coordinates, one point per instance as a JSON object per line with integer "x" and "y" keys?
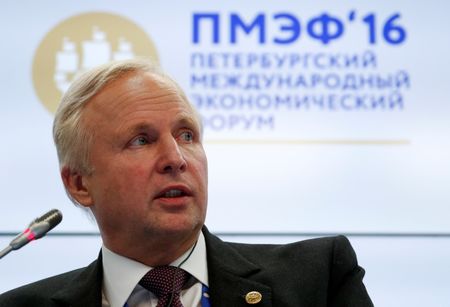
{"x": 318, "y": 272}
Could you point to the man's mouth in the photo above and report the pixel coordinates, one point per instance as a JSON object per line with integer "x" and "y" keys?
{"x": 173, "y": 193}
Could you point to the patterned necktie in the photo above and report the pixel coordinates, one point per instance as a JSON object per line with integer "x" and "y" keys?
{"x": 164, "y": 280}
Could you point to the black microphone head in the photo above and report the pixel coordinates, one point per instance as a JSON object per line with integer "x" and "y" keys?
{"x": 38, "y": 228}
{"x": 53, "y": 218}
{"x": 45, "y": 223}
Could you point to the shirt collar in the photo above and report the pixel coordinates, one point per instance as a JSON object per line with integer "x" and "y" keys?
{"x": 121, "y": 274}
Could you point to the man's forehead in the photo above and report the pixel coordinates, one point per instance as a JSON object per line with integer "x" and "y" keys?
{"x": 134, "y": 87}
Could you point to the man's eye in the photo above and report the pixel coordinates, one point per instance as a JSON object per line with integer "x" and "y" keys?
{"x": 139, "y": 141}
{"x": 187, "y": 136}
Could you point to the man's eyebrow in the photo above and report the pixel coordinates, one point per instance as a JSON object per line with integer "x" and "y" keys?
{"x": 139, "y": 127}
{"x": 188, "y": 121}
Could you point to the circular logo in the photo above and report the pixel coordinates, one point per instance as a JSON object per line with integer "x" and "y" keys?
{"x": 80, "y": 43}
{"x": 253, "y": 297}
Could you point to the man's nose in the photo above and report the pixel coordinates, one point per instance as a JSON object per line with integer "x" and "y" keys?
{"x": 171, "y": 158}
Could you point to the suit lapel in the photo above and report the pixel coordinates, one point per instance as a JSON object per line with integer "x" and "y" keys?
{"x": 231, "y": 275}
{"x": 231, "y": 278}
{"x": 85, "y": 289}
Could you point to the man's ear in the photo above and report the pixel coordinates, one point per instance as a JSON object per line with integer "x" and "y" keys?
{"x": 76, "y": 186}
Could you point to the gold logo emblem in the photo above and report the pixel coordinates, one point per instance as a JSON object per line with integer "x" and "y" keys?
{"x": 82, "y": 42}
{"x": 253, "y": 297}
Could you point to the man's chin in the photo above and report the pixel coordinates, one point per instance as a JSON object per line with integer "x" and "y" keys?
{"x": 182, "y": 228}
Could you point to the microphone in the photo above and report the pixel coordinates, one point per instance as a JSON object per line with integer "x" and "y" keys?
{"x": 36, "y": 230}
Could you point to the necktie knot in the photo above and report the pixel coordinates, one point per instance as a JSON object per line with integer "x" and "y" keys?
{"x": 163, "y": 281}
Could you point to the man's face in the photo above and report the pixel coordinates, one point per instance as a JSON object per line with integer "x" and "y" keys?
{"x": 149, "y": 174}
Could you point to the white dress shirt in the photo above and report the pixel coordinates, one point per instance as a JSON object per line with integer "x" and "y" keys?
{"x": 121, "y": 276}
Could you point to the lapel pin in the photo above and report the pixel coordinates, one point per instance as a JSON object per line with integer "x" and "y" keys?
{"x": 253, "y": 297}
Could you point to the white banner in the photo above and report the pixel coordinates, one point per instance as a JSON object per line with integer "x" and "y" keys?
{"x": 319, "y": 117}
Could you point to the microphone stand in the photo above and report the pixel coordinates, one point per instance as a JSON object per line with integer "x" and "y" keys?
{"x": 5, "y": 251}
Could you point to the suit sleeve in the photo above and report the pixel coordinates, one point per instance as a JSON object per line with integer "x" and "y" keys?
{"x": 346, "y": 285}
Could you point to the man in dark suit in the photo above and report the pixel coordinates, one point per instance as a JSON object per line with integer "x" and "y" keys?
{"x": 130, "y": 151}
